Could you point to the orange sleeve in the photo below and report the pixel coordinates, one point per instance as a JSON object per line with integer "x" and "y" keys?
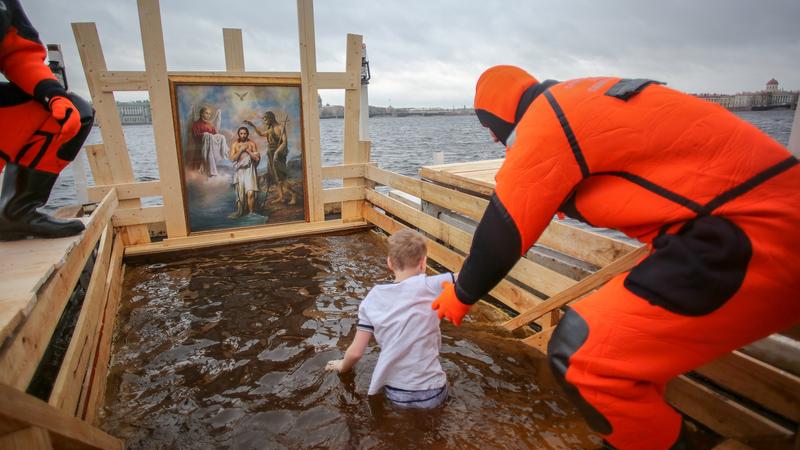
{"x": 22, "y": 56}
{"x": 539, "y": 173}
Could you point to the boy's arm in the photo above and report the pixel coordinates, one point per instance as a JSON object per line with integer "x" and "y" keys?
{"x": 354, "y": 353}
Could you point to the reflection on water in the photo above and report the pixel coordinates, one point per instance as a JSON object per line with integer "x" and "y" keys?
{"x": 226, "y": 349}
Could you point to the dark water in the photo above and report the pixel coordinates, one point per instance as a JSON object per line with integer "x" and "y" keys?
{"x": 226, "y": 349}
{"x": 402, "y": 144}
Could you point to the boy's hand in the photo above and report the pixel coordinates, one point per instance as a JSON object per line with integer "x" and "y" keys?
{"x": 334, "y": 366}
{"x": 448, "y": 305}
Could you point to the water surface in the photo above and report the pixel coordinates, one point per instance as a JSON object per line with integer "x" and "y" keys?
{"x": 225, "y": 348}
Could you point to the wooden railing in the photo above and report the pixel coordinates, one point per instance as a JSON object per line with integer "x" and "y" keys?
{"x": 66, "y": 419}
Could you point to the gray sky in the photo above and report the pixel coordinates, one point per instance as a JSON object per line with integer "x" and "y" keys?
{"x": 430, "y": 53}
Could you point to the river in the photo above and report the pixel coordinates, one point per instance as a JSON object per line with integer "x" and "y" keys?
{"x": 399, "y": 144}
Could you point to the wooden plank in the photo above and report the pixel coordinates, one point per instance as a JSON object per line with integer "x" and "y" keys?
{"x": 720, "y": 414}
{"x": 117, "y": 165}
{"x": 583, "y": 244}
{"x": 136, "y": 216}
{"x": 111, "y": 81}
{"x": 126, "y": 191}
{"x": 465, "y": 204}
{"x": 584, "y": 286}
{"x": 541, "y": 278}
{"x": 23, "y": 351}
{"x": 512, "y": 296}
{"x": 31, "y": 438}
{"x": 352, "y": 211}
{"x": 339, "y": 80}
{"x": 25, "y": 266}
{"x": 234, "y": 49}
{"x": 155, "y": 63}
{"x": 346, "y": 194}
{"x": 234, "y": 77}
{"x": 69, "y": 382}
{"x": 311, "y": 139}
{"x": 19, "y": 411}
{"x": 343, "y": 171}
{"x": 95, "y": 389}
{"x": 212, "y": 239}
{"x": 772, "y": 388}
{"x": 482, "y": 188}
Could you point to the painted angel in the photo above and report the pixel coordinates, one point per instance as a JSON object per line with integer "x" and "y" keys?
{"x": 207, "y": 146}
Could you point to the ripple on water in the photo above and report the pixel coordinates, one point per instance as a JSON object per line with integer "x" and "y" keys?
{"x": 226, "y": 349}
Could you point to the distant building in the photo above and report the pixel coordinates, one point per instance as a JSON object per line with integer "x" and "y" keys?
{"x": 135, "y": 113}
{"x": 771, "y": 97}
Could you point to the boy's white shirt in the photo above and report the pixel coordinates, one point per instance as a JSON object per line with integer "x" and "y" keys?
{"x": 400, "y": 317}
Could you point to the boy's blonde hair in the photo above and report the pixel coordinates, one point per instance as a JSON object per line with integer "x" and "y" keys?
{"x": 406, "y": 249}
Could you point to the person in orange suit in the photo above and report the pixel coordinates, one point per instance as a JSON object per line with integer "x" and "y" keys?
{"x": 717, "y": 200}
{"x": 42, "y": 128}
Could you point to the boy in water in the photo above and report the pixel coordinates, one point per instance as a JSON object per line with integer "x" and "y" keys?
{"x": 399, "y": 315}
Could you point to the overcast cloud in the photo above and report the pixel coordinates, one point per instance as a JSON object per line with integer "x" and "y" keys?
{"x": 430, "y": 53}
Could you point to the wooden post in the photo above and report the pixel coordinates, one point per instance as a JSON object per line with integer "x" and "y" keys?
{"x": 308, "y": 75}
{"x": 155, "y": 63}
{"x": 234, "y": 50}
{"x": 352, "y": 211}
{"x": 94, "y": 65}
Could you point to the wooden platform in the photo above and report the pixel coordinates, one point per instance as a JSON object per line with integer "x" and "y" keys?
{"x": 25, "y": 266}
{"x": 476, "y": 176}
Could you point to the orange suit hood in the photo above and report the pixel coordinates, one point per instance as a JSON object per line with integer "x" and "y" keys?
{"x": 497, "y": 98}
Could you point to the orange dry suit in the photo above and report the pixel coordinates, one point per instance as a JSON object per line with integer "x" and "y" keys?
{"x": 29, "y": 136}
{"x": 717, "y": 199}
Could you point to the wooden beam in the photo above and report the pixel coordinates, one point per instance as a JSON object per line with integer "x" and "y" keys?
{"x": 155, "y": 63}
{"x": 31, "y": 438}
{"x": 583, "y": 287}
{"x": 352, "y": 211}
{"x": 509, "y": 294}
{"x": 534, "y": 275}
{"x": 72, "y": 374}
{"x": 234, "y": 49}
{"x": 721, "y": 414}
{"x": 126, "y": 191}
{"x": 111, "y": 81}
{"x": 212, "y": 239}
{"x": 136, "y": 216}
{"x": 19, "y": 411}
{"x": 582, "y": 244}
{"x": 339, "y": 80}
{"x": 21, "y": 355}
{"x": 465, "y": 204}
{"x": 182, "y": 75}
{"x": 345, "y": 194}
{"x": 343, "y": 171}
{"x": 117, "y": 166}
{"x": 774, "y": 389}
{"x": 95, "y": 388}
{"x": 311, "y": 139}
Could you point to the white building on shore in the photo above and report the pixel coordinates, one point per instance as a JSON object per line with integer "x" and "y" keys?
{"x": 771, "y": 97}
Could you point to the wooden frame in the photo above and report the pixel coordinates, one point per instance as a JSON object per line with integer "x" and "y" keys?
{"x": 278, "y": 96}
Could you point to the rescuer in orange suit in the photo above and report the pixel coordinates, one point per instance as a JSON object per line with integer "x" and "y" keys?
{"x": 42, "y": 128}
{"x": 717, "y": 200}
